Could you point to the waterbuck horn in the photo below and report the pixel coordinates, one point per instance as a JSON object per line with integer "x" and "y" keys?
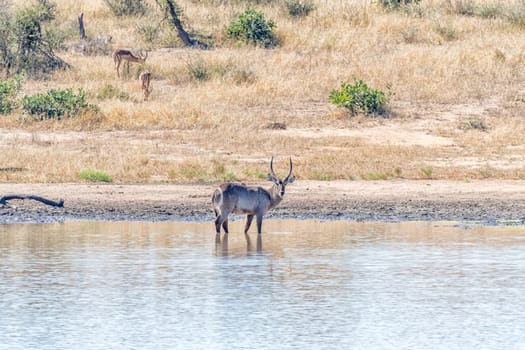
{"x": 290, "y": 172}
{"x": 271, "y": 168}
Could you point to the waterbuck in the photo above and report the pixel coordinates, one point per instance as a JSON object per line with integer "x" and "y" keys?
{"x": 252, "y": 201}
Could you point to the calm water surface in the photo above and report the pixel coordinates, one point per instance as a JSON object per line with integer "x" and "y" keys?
{"x": 301, "y": 285}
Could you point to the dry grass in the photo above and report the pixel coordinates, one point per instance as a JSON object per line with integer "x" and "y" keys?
{"x": 210, "y": 113}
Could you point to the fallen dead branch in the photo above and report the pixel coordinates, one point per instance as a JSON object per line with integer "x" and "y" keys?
{"x": 4, "y": 199}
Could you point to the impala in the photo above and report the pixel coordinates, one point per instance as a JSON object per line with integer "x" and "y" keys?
{"x": 145, "y": 80}
{"x": 252, "y": 201}
{"x": 120, "y": 55}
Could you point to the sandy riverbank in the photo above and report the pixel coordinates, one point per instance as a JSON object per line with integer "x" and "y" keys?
{"x": 487, "y": 202}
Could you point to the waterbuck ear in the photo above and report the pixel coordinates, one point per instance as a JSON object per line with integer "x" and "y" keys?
{"x": 290, "y": 179}
{"x": 272, "y": 178}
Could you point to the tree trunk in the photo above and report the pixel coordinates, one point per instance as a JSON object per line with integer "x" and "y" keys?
{"x": 81, "y": 29}
{"x": 172, "y": 9}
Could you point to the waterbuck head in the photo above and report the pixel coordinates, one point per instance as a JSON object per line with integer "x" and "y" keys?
{"x": 280, "y": 185}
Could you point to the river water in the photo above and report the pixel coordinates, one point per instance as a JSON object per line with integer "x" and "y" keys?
{"x": 300, "y": 285}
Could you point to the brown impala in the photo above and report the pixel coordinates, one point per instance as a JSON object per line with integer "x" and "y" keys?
{"x": 145, "y": 81}
{"x": 120, "y": 55}
{"x": 252, "y": 201}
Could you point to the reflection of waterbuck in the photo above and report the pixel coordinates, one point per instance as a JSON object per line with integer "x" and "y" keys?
{"x": 252, "y": 201}
{"x": 120, "y": 55}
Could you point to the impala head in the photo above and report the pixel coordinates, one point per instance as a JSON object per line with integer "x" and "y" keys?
{"x": 280, "y": 184}
{"x": 143, "y": 57}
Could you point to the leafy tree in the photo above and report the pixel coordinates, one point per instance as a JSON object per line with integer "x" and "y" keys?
{"x": 7, "y": 38}
{"x": 24, "y": 46}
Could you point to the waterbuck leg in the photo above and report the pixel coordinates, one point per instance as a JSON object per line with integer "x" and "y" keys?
{"x": 218, "y": 224}
{"x": 259, "y": 243}
{"x": 225, "y": 225}
{"x": 259, "y": 223}
{"x": 249, "y": 219}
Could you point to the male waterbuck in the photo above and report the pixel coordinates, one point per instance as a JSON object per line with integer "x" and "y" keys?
{"x": 252, "y": 201}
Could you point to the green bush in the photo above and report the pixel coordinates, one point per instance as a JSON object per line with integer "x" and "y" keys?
{"x": 299, "y": 8}
{"x": 56, "y": 104}
{"x": 359, "y": 97}
{"x": 8, "y": 92}
{"x": 127, "y": 7}
{"x": 253, "y": 27}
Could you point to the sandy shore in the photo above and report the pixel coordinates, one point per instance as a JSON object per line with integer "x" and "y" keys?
{"x": 485, "y": 202}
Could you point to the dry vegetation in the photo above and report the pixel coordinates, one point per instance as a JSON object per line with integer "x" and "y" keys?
{"x": 456, "y": 69}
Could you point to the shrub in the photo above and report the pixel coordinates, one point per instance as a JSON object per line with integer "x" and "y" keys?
{"x": 397, "y": 3}
{"x": 148, "y": 32}
{"x": 198, "y": 70}
{"x": 359, "y": 97}
{"x": 108, "y": 91}
{"x": 95, "y": 176}
{"x": 299, "y": 8}
{"x": 56, "y": 104}
{"x": 127, "y": 7}
{"x": 427, "y": 171}
{"x": 8, "y": 92}
{"x": 253, "y": 27}
{"x": 473, "y": 124}
{"x": 188, "y": 171}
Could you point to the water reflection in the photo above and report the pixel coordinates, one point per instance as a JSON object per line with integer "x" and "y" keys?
{"x": 222, "y": 247}
{"x": 322, "y": 285}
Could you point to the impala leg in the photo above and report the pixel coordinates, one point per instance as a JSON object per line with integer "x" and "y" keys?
{"x": 259, "y": 223}
{"x": 249, "y": 219}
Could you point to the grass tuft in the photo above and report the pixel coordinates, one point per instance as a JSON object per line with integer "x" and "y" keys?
{"x": 95, "y": 176}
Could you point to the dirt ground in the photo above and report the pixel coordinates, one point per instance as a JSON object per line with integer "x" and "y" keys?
{"x": 486, "y": 202}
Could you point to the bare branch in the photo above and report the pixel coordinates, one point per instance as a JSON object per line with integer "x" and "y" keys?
{"x": 4, "y": 199}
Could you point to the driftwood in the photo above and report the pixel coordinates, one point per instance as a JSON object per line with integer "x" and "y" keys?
{"x": 4, "y": 199}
